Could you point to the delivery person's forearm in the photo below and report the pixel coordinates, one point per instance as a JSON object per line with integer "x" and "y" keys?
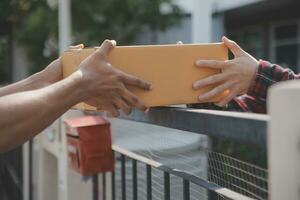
{"x": 31, "y": 83}
{"x": 25, "y": 114}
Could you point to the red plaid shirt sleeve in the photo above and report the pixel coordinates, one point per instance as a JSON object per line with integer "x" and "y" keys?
{"x": 256, "y": 99}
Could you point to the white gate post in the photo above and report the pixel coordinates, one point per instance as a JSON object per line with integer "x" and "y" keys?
{"x": 284, "y": 141}
{"x": 201, "y": 21}
{"x": 64, "y": 21}
{"x": 65, "y": 24}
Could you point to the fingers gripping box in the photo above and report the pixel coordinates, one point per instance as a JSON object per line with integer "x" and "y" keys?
{"x": 170, "y": 68}
{"x": 89, "y": 145}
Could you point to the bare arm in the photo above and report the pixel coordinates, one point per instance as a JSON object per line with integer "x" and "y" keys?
{"x": 31, "y": 83}
{"x": 25, "y": 114}
{"x": 51, "y": 74}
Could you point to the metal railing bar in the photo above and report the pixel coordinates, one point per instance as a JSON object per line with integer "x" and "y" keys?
{"x": 186, "y": 190}
{"x": 95, "y": 183}
{"x": 167, "y": 186}
{"x": 103, "y": 186}
{"x": 134, "y": 180}
{"x": 123, "y": 176}
{"x": 242, "y": 127}
{"x": 30, "y": 175}
{"x": 113, "y": 186}
{"x": 149, "y": 181}
{"x": 192, "y": 178}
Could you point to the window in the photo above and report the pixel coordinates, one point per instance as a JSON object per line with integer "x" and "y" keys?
{"x": 285, "y": 45}
{"x": 250, "y": 39}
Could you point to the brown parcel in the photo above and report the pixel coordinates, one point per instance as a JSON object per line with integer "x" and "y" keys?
{"x": 170, "y": 68}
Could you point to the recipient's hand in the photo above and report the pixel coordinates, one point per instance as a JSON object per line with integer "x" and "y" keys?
{"x": 106, "y": 86}
{"x": 237, "y": 74}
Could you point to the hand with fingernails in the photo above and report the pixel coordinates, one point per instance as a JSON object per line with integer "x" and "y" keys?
{"x": 237, "y": 74}
{"x": 106, "y": 87}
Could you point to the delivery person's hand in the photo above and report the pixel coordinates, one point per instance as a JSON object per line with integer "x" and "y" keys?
{"x": 53, "y": 72}
{"x": 106, "y": 86}
{"x": 237, "y": 74}
{"x": 96, "y": 82}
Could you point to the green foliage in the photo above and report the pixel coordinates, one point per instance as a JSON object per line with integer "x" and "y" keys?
{"x": 36, "y": 23}
{"x": 121, "y": 20}
{"x": 10, "y": 9}
{"x": 33, "y": 23}
{"x": 36, "y": 31}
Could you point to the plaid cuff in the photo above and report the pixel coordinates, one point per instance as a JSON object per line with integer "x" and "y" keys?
{"x": 267, "y": 75}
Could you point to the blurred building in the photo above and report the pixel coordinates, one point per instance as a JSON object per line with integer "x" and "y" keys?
{"x": 267, "y": 29}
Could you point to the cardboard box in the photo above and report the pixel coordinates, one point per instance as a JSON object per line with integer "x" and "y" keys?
{"x": 170, "y": 68}
{"x": 89, "y": 145}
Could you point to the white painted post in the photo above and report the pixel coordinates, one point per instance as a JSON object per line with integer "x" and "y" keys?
{"x": 66, "y": 183}
{"x": 64, "y": 17}
{"x": 202, "y": 21}
{"x": 65, "y": 27}
{"x": 47, "y": 175}
{"x": 284, "y": 141}
{"x": 25, "y": 153}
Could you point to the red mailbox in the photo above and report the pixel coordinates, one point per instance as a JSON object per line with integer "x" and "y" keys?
{"x": 89, "y": 145}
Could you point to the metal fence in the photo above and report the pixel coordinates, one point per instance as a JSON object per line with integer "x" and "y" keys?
{"x": 11, "y": 181}
{"x": 227, "y": 177}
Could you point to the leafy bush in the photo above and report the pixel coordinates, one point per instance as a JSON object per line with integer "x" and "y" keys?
{"x": 36, "y": 22}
